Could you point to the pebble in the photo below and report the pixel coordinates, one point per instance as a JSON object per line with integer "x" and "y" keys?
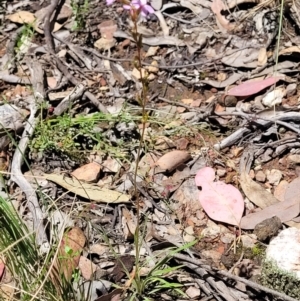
{"x": 89, "y": 172}
{"x": 260, "y": 176}
{"x": 221, "y": 172}
{"x": 193, "y": 292}
{"x": 284, "y": 250}
{"x": 280, "y": 189}
{"x": 294, "y": 158}
{"x": 274, "y": 176}
{"x": 291, "y": 89}
{"x": 267, "y": 228}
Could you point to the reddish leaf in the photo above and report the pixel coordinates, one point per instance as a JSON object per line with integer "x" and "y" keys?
{"x": 252, "y": 87}
{"x": 221, "y": 202}
{"x": 69, "y": 253}
{"x": 2, "y": 269}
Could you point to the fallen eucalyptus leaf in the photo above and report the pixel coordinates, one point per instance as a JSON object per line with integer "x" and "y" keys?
{"x": 255, "y": 193}
{"x": 89, "y": 191}
{"x": 22, "y": 17}
{"x": 286, "y": 210}
{"x": 252, "y": 87}
{"x": 222, "y": 202}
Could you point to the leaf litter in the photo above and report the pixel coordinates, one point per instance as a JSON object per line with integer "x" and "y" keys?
{"x": 86, "y": 171}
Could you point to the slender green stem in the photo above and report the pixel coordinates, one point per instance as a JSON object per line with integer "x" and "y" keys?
{"x": 143, "y": 101}
{"x": 279, "y": 33}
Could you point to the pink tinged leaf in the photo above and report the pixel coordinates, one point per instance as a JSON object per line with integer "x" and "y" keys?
{"x": 2, "y": 269}
{"x": 110, "y": 2}
{"x": 205, "y": 174}
{"x": 252, "y": 87}
{"x": 221, "y": 202}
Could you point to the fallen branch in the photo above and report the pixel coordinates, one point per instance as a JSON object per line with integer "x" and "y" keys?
{"x": 198, "y": 263}
{"x": 278, "y": 118}
{"x": 60, "y": 65}
{"x": 67, "y": 102}
{"x": 18, "y": 158}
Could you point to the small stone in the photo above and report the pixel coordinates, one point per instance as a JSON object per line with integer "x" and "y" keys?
{"x": 163, "y": 143}
{"x": 221, "y": 76}
{"x": 267, "y": 228}
{"x": 221, "y": 172}
{"x": 291, "y": 89}
{"x": 193, "y": 292}
{"x": 230, "y": 101}
{"x": 260, "y": 176}
{"x": 137, "y": 74}
{"x": 107, "y": 29}
{"x": 248, "y": 240}
{"x": 166, "y": 297}
{"x": 111, "y": 165}
{"x": 151, "y": 77}
{"x": 187, "y": 101}
{"x": 274, "y": 176}
{"x": 284, "y": 250}
{"x": 280, "y": 189}
{"x": 213, "y": 255}
{"x": 182, "y": 143}
{"x": 154, "y": 67}
{"x": 237, "y": 151}
{"x": 294, "y": 158}
{"x": 89, "y": 172}
{"x": 196, "y": 103}
{"x": 105, "y": 44}
{"x": 227, "y": 238}
{"x": 252, "y": 174}
{"x": 188, "y": 234}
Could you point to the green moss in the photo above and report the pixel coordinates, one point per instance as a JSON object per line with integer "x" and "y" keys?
{"x": 280, "y": 280}
{"x": 258, "y": 250}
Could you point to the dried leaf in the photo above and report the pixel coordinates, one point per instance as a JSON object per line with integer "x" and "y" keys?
{"x": 129, "y": 224}
{"x": 286, "y": 210}
{"x": 22, "y": 17}
{"x": 70, "y": 249}
{"x": 292, "y": 192}
{"x": 107, "y": 29}
{"x": 229, "y": 81}
{"x": 255, "y": 193}
{"x": 124, "y": 264}
{"x": 252, "y": 87}
{"x": 87, "y": 268}
{"x": 171, "y": 160}
{"x": 115, "y": 295}
{"x": 262, "y": 57}
{"x": 89, "y": 191}
{"x": 222, "y": 202}
{"x": 289, "y": 50}
{"x": 245, "y": 58}
{"x": 217, "y": 6}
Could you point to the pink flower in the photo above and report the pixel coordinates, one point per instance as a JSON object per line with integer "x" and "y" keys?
{"x": 110, "y": 2}
{"x": 139, "y": 5}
